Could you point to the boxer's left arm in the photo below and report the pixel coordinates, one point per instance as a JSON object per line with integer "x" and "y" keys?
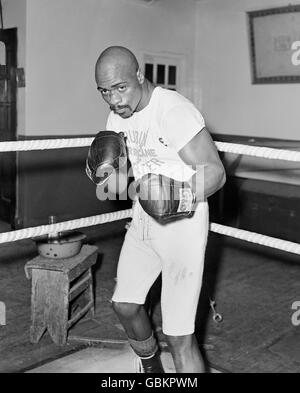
{"x": 201, "y": 153}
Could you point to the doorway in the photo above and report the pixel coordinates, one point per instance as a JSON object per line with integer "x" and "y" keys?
{"x": 8, "y": 123}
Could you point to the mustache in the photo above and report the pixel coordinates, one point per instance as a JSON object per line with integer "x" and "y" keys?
{"x": 117, "y": 108}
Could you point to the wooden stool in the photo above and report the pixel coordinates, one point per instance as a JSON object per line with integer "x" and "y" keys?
{"x": 61, "y": 293}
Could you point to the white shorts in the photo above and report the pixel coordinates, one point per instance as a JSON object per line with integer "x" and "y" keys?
{"x": 176, "y": 250}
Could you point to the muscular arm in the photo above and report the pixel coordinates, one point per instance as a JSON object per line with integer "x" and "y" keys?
{"x": 202, "y": 154}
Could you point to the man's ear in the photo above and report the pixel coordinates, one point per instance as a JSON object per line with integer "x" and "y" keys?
{"x": 140, "y": 76}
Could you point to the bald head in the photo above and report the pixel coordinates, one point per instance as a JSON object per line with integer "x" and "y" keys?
{"x": 121, "y": 82}
{"x": 117, "y": 58}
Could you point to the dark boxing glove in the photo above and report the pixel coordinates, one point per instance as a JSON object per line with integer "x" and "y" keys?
{"x": 164, "y": 198}
{"x": 107, "y": 154}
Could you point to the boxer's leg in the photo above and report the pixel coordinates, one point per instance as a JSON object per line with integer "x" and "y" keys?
{"x": 138, "y": 268}
{"x": 181, "y": 246}
{"x": 186, "y": 354}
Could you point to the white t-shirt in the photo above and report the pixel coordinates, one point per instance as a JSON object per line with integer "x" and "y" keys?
{"x": 156, "y": 134}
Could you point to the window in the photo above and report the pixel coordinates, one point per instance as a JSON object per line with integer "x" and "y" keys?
{"x": 162, "y": 71}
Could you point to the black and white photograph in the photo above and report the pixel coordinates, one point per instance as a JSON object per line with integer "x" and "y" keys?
{"x": 149, "y": 189}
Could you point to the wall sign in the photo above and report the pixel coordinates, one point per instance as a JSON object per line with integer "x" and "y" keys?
{"x": 275, "y": 45}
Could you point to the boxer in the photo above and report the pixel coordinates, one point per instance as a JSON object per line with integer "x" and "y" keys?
{"x": 176, "y": 167}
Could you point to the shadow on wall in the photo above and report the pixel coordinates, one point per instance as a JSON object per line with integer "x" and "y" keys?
{"x": 53, "y": 182}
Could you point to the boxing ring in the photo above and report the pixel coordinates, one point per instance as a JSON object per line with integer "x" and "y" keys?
{"x": 233, "y": 148}
{"x": 287, "y": 157}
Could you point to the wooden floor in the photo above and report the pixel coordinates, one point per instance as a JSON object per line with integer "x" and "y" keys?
{"x": 254, "y": 288}
{"x": 17, "y": 353}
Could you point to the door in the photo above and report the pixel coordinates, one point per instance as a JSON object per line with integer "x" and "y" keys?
{"x": 8, "y": 64}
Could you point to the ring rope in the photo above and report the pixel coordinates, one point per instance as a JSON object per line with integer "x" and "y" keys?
{"x": 236, "y": 148}
{"x": 256, "y": 151}
{"x": 259, "y": 151}
{"x": 257, "y": 238}
{"x": 32, "y": 232}
{"x": 241, "y": 234}
{"x": 44, "y": 144}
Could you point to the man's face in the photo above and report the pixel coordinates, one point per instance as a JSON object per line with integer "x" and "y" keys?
{"x": 120, "y": 88}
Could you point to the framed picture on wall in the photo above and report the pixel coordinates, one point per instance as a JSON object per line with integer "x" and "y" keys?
{"x": 275, "y": 45}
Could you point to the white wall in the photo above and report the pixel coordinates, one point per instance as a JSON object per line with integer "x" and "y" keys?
{"x": 64, "y": 39}
{"x": 229, "y": 102}
{"x": 14, "y": 15}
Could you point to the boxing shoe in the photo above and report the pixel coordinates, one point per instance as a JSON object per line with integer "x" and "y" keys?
{"x": 150, "y": 364}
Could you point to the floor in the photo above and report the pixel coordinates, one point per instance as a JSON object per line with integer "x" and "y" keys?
{"x": 254, "y": 289}
{"x": 113, "y": 359}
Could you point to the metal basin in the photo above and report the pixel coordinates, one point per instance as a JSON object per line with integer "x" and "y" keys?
{"x": 65, "y": 246}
